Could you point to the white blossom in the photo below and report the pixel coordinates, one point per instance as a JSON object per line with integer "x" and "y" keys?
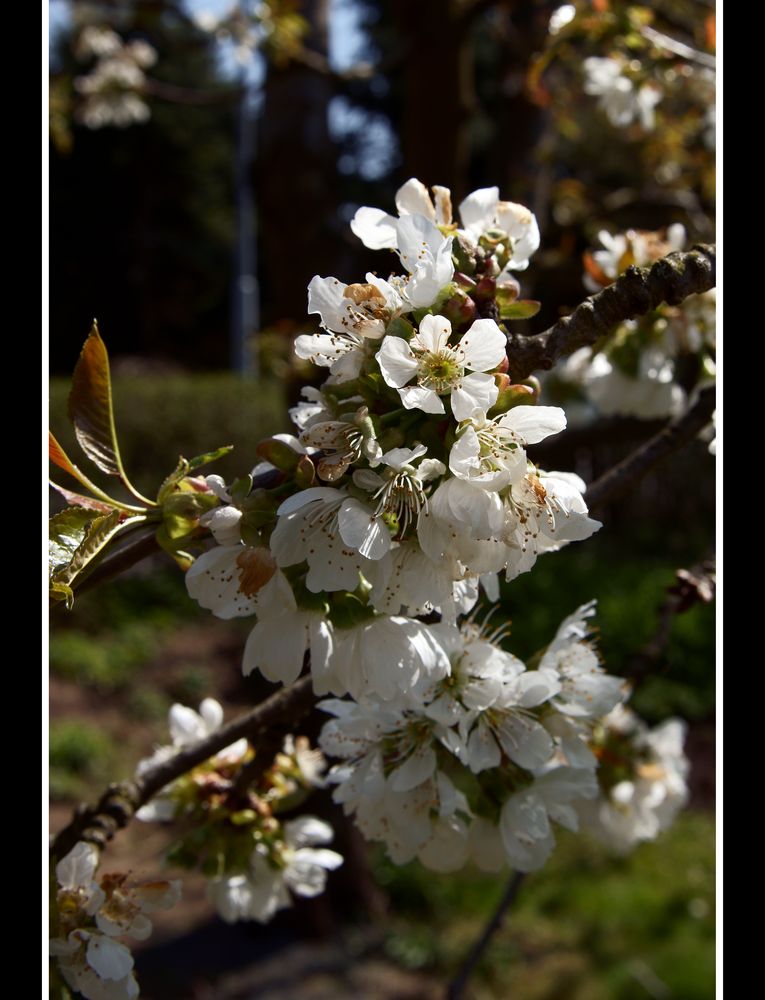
{"x": 585, "y": 689}
{"x": 378, "y": 230}
{"x": 513, "y": 225}
{"x": 298, "y": 866}
{"x": 356, "y": 316}
{"x": 490, "y": 453}
{"x": 89, "y": 915}
{"x": 187, "y": 727}
{"x": 639, "y": 807}
{"x": 459, "y": 371}
{"x": 284, "y": 632}
{"x": 619, "y": 98}
{"x": 227, "y": 579}
{"x": 336, "y": 534}
{"x": 382, "y": 657}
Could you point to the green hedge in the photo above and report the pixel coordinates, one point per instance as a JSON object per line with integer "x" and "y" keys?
{"x": 161, "y": 417}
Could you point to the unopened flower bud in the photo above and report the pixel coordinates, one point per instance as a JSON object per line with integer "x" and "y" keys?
{"x": 510, "y": 395}
{"x": 459, "y": 309}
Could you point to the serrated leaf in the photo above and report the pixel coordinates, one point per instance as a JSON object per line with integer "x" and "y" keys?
{"x": 521, "y": 309}
{"x": 173, "y": 479}
{"x": 101, "y": 530}
{"x": 80, "y": 500}
{"x": 210, "y": 456}
{"x": 91, "y": 410}
{"x": 66, "y": 531}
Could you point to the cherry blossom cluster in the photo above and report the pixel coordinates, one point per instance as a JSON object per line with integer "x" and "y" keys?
{"x": 628, "y": 91}
{"x": 642, "y": 776}
{"x": 89, "y": 917}
{"x": 634, "y": 372}
{"x": 111, "y": 91}
{"x": 234, "y": 834}
{"x": 408, "y": 483}
{"x": 621, "y": 95}
{"x": 477, "y": 765}
{"x": 361, "y": 545}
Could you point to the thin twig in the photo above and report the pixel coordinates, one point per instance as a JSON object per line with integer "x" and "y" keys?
{"x": 634, "y": 293}
{"x": 691, "y": 586}
{"x": 678, "y": 48}
{"x": 457, "y": 986}
{"x": 674, "y": 435}
{"x": 119, "y": 803}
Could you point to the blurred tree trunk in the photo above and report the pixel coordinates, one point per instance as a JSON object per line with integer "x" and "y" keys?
{"x": 296, "y": 179}
{"x": 437, "y": 92}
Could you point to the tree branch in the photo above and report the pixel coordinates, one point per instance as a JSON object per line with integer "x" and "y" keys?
{"x": 690, "y": 587}
{"x": 634, "y": 293}
{"x": 119, "y": 803}
{"x": 674, "y": 435}
{"x": 458, "y": 984}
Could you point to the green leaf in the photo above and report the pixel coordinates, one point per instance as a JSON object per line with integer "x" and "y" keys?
{"x": 520, "y": 309}
{"x": 61, "y": 591}
{"x": 210, "y": 456}
{"x": 92, "y": 535}
{"x": 66, "y": 532}
{"x": 239, "y": 490}
{"x": 169, "y": 484}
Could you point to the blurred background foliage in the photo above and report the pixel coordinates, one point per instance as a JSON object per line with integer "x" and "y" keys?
{"x": 346, "y": 100}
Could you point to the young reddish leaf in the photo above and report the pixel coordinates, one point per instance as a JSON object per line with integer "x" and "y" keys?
{"x": 90, "y": 406}
{"x": 60, "y": 458}
{"x": 80, "y": 500}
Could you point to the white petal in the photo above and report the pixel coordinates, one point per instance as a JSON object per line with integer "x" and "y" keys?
{"x": 534, "y": 423}
{"x": 397, "y": 363}
{"x": 211, "y": 712}
{"x": 325, "y": 297}
{"x": 375, "y": 228}
{"x": 298, "y": 500}
{"x": 110, "y": 959}
{"x": 464, "y": 456}
{"x": 524, "y": 741}
{"x": 477, "y": 392}
{"x": 362, "y": 530}
{"x": 412, "y": 197}
{"x": 322, "y": 348}
{"x": 186, "y": 727}
{"x": 482, "y": 750}
{"x": 78, "y": 866}
{"x": 416, "y": 769}
{"x": 417, "y": 397}
{"x": 433, "y": 334}
{"x": 308, "y": 830}
{"x": 483, "y": 346}
{"x": 276, "y": 647}
{"x": 477, "y": 210}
